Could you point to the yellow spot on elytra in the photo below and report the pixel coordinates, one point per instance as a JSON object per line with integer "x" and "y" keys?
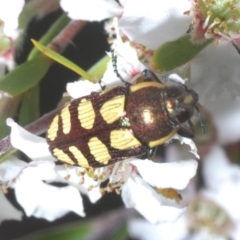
{"x": 60, "y": 155}
{"x": 113, "y": 109}
{"x": 66, "y": 119}
{"x": 86, "y": 114}
{"x": 82, "y": 161}
{"x": 123, "y": 139}
{"x": 52, "y": 130}
{"x": 99, "y": 150}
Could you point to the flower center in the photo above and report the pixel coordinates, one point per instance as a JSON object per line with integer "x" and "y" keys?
{"x": 116, "y": 174}
{"x": 218, "y": 19}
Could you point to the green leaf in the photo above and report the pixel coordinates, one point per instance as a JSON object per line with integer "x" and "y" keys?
{"x": 62, "y": 60}
{"x": 174, "y": 54}
{"x": 29, "y": 110}
{"x": 5, "y": 155}
{"x": 25, "y": 76}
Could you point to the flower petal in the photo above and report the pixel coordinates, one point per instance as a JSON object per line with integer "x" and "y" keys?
{"x": 143, "y": 230}
{"x": 189, "y": 142}
{"x": 166, "y": 175}
{"x": 152, "y": 22}
{"x": 217, "y": 170}
{"x": 94, "y": 194}
{"x": 128, "y": 65}
{"x": 33, "y": 146}
{"x": 10, "y": 168}
{"x": 82, "y": 88}
{"x": 137, "y": 194}
{"x": 43, "y": 200}
{"x": 91, "y": 10}
{"x": 11, "y": 20}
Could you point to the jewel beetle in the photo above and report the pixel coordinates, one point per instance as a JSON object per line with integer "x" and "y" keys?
{"x": 121, "y": 122}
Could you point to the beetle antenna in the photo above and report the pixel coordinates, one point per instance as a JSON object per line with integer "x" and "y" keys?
{"x": 201, "y": 120}
{"x": 114, "y": 64}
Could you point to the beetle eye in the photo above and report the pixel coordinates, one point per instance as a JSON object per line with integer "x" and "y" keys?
{"x": 179, "y": 103}
{"x": 175, "y": 91}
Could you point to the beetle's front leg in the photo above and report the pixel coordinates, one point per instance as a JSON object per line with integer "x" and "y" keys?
{"x": 149, "y": 75}
{"x": 102, "y": 85}
{"x": 185, "y": 132}
{"x": 149, "y": 153}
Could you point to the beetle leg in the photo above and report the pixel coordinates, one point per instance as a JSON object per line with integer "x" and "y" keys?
{"x": 114, "y": 64}
{"x": 149, "y": 75}
{"x": 185, "y": 132}
{"x": 102, "y": 84}
{"x": 151, "y": 152}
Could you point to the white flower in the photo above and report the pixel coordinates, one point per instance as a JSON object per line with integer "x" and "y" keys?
{"x": 91, "y": 10}
{"x": 38, "y": 199}
{"x": 150, "y": 23}
{"x": 153, "y": 23}
{"x": 123, "y": 175}
{"x": 214, "y": 73}
{"x": 9, "y": 13}
{"x": 143, "y": 230}
{"x": 214, "y": 212}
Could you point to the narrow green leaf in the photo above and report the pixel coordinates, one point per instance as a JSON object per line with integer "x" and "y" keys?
{"x": 7, "y": 154}
{"x": 54, "y": 30}
{"x": 29, "y": 110}
{"x": 174, "y": 54}
{"x": 62, "y": 60}
{"x": 99, "y": 68}
{"x": 25, "y": 76}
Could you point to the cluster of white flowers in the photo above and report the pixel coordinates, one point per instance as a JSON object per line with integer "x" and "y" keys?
{"x": 214, "y": 74}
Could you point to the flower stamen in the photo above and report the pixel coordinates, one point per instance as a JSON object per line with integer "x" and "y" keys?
{"x": 209, "y": 14}
{"x": 5, "y": 189}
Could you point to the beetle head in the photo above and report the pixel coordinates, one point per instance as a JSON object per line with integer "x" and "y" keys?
{"x": 180, "y": 103}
